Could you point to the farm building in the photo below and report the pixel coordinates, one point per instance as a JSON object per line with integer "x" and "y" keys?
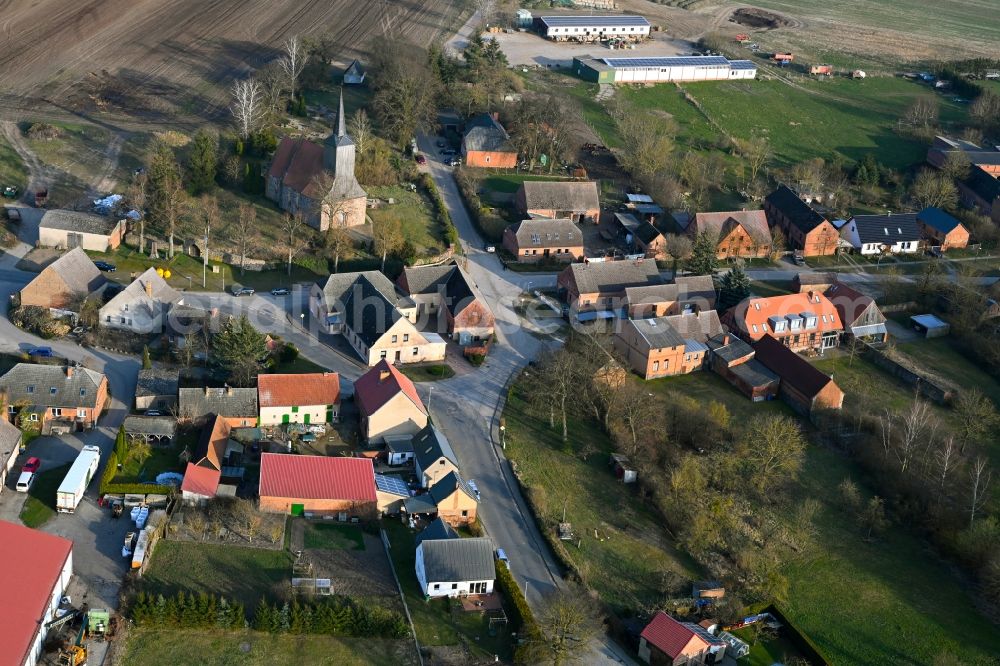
{"x": 65, "y": 283}
{"x": 67, "y": 229}
{"x": 804, "y": 228}
{"x": 317, "y": 484}
{"x": 592, "y": 28}
{"x": 37, "y": 571}
{"x": 299, "y": 398}
{"x": 577, "y": 201}
{"x": 942, "y": 229}
{"x": 733, "y": 359}
{"x": 156, "y": 388}
{"x": 487, "y": 144}
{"x": 662, "y": 69}
{"x": 803, "y": 386}
{"x": 543, "y": 238}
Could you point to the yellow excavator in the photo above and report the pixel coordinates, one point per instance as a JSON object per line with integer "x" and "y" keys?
{"x": 75, "y": 654}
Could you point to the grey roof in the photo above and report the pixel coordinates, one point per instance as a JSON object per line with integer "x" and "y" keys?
{"x": 460, "y": 290}
{"x": 156, "y": 382}
{"x": 983, "y": 184}
{"x": 430, "y": 444}
{"x": 161, "y": 426}
{"x": 544, "y": 232}
{"x": 52, "y": 385}
{"x": 437, "y": 530}
{"x": 657, "y": 333}
{"x": 484, "y": 132}
{"x": 10, "y": 436}
{"x": 338, "y": 286}
{"x": 447, "y": 485}
{"x": 354, "y": 68}
{"x": 889, "y": 229}
{"x": 399, "y": 444}
{"x": 561, "y": 195}
{"x": 646, "y": 232}
{"x": 754, "y": 373}
{"x": 656, "y": 293}
{"x": 795, "y": 209}
{"x": 929, "y": 321}
{"x": 458, "y": 560}
{"x": 138, "y": 299}
{"x": 78, "y": 271}
{"x": 742, "y": 64}
{"x": 230, "y": 402}
{"x": 74, "y": 220}
{"x": 697, "y": 327}
{"x": 696, "y": 287}
{"x": 616, "y": 20}
{"x": 614, "y": 276}
{"x": 731, "y": 351}
{"x": 419, "y": 504}
{"x": 368, "y": 312}
{"x": 673, "y": 61}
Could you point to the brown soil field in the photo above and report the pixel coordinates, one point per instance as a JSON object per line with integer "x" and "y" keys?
{"x": 177, "y": 57}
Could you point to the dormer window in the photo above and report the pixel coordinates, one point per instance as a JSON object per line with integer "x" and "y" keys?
{"x": 52, "y": 390}
{"x": 30, "y": 389}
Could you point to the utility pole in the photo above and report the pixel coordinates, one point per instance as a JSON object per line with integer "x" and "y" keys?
{"x": 204, "y": 264}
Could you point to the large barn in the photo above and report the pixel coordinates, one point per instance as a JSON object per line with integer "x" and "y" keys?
{"x": 663, "y": 69}
{"x": 592, "y": 28}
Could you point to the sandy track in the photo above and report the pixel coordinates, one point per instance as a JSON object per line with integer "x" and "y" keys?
{"x": 188, "y": 48}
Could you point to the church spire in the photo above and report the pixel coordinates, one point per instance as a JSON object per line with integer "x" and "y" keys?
{"x": 341, "y": 125}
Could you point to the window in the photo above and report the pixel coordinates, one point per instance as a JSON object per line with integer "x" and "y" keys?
{"x": 437, "y": 586}
{"x": 11, "y": 408}
{"x": 415, "y": 350}
{"x": 796, "y": 324}
{"x": 394, "y": 338}
{"x": 108, "y": 320}
{"x": 33, "y": 417}
{"x": 487, "y": 158}
{"x": 406, "y": 337}
{"x": 454, "y": 586}
{"x": 465, "y": 514}
{"x": 381, "y": 354}
{"x": 57, "y": 411}
{"x": 755, "y": 328}
{"x": 83, "y": 392}
{"x": 656, "y": 366}
{"x": 125, "y": 307}
{"x": 52, "y": 390}
{"x": 31, "y": 389}
{"x": 295, "y": 410}
{"x": 81, "y": 413}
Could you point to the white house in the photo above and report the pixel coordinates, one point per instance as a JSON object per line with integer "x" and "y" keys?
{"x": 454, "y": 567}
{"x": 299, "y": 398}
{"x": 587, "y": 28}
{"x": 142, "y": 306}
{"x": 36, "y": 572}
{"x": 67, "y": 229}
{"x": 895, "y": 233}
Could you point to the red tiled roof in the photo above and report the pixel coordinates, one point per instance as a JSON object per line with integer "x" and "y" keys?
{"x": 212, "y": 443}
{"x": 201, "y": 480}
{"x": 316, "y": 477}
{"x": 317, "y": 388}
{"x": 32, "y": 562}
{"x": 371, "y": 391}
{"x": 756, "y": 312}
{"x": 296, "y": 163}
{"x": 672, "y": 637}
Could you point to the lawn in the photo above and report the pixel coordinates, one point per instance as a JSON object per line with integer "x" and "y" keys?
{"x": 836, "y": 118}
{"x": 330, "y": 537}
{"x": 766, "y": 653}
{"x": 941, "y": 355}
{"x": 12, "y": 168}
{"x": 161, "y": 459}
{"x": 889, "y": 600}
{"x": 300, "y": 365}
{"x": 767, "y": 288}
{"x": 78, "y": 153}
{"x": 705, "y": 387}
{"x": 236, "y": 572}
{"x": 627, "y": 562}
{"x": 413, "y": 213}
{"x": 428, "y": 373}
{"x": 252, "y": 648}
{"x": 40, "y": 506}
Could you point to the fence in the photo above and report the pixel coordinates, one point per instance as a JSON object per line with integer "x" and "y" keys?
{"x": 926, "y": 386}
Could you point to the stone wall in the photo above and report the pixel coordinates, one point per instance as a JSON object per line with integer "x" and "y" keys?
{"x": 934, "y": 390}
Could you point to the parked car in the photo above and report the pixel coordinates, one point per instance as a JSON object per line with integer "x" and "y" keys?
{"x": 153, "y": 412}
{"x": 490, "y": 247}
{"x": 421, "y": 159}
{"x": 105, "y": 266}
{"x": 31, "y": 465}
{"x": 502, "y": 558}
{"x": 474, "y": 488}
{"x": 448, "y": 152}
{"x": 455, "y": 161}
{"x": 281, "y": 291}
{"x": 242, "y": 291}
{"x": 45, "y": 352}
{"x": 24, "y": 482}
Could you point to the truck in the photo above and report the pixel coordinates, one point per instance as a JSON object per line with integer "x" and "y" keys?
{"x": 77, "y": 479}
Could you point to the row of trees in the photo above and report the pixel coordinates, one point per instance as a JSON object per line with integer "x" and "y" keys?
{"x": 334, "y": 615}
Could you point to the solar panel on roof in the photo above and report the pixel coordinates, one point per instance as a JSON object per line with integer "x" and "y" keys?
{"x": 679, "y": 61}
{"x": 391, "y": 484}
{"x": 742, "y": 64}
{"x": 561, "y": 21}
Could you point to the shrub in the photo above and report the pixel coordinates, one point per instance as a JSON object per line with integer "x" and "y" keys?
{"x": 289, "y": 353}
{"x": 522, "y": 617}
{"x": 449, "y": 231}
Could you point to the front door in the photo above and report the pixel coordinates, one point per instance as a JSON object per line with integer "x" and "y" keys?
{"x": 396, "y": 356}
{"x": 305, "y": 419}
{"x": 298, "y": 509}
{"x": 284, "y": 418}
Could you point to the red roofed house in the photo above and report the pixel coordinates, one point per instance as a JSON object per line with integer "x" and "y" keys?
{"x": 318, "y": 180}
{"x": 666, "y": 641}
{"x": 388, "y": 403}
{"x": 802, "y": 322}
{"x": 317, "y": 484}
{"x": 303, "y": 398}
{"x": 36, "y": 572}
{"x": 203, "y": 474}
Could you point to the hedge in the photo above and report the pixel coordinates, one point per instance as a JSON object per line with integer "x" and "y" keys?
{"x": 799, "y": 639}
{"x": 440, "y": 210}
{"x": 199, "y": 611}
{"x": 522, "y": 617}
{"x": 475, "y": 207}
{"x": 335, "y": 615}
{"x": 109, "y": 487}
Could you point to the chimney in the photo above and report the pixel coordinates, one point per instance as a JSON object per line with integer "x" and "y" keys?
{"x": 725, "y": 339}
{"x": 69, "y": 371}
{"x": 149, "y": 288}
{"x": 383, "y": 376}
{"x": 4, "y": 416}
{"x": 229, "y": 390}
{"x": 206, "y": 390}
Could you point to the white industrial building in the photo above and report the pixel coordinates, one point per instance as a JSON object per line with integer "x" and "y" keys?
{"x": 663, "y": 69}
{"x": 592, "y": 28}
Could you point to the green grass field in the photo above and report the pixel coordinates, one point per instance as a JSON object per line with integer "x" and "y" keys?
{"x": 236, "y": 572}
{"x": 252, "y": 648}
{"x": 40, "y": 506}
{"x": 626, "y": 563}
{"x": 839, "y": 117}
{"x": 941, "y": 355}
{"x": 413, "y": 212}
{"x": 428, "y": 373}
{"x": 12, "y": 169}
{"x": 161, "y": 459}
{"x": 342, "y": 537}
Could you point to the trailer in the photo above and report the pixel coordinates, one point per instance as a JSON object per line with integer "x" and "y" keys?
{"x": 821, "y": 70}
{"x": 783, "y": 58}
{"x": 71, "y": 489}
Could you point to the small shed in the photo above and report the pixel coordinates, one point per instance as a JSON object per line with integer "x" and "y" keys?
{"x": 708, "y": 589}
{"x": 399, "y": 450}
{"x": 155, "y": 430}
{"x": 624, "y": 471}
{"x": 930, "y": 326}
{"x": 355, "y": 74}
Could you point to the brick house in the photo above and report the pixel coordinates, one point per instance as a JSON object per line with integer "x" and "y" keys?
{"x": 686, "y": 294}
{"x": 67, "y": 229}
{"x": 543, "y": 238}
{"x": 63, "y": 284}
{"x": 802, "y": 322}
{"x": 237, "y": 406}
{"x": 52, "y": 397}
{"x": 666, "y": 346}
{"x": 600, "y": 286}
{"x": 640, "y": 236}
{"x": 858, "y": 313}
{"x": 669, "y": 642}
{"x": 805, "y": 388}
{"x": 985, "y": 157}
{"x": 450, "y": 293}
{"x": 204, "y": 472}
{"x": 981, "y": 190}
{"x": 456, "y": 504}
{"x": 573, "y": 200}
{"x": 803, "y": 227}
{"x": 388, "y": 403}
{"x": 942, "y": 229}
{"x": 742, "y": 233}
{"x": 433, "y": 457}
{"x": 317, "y": 484}
{"x": 733, "y": 359}
{"x": 487, "y": 144}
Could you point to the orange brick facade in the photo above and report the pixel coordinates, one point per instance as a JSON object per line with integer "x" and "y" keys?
{"x": 490, "y": 159}
{"x": 48, "y": 290}
{"x": 955, "y": 239}
{"x": 739, "y": 243}
{"x": 284, "y": 505}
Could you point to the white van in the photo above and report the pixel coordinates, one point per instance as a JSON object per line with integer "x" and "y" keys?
{"x": 24, "y": 481}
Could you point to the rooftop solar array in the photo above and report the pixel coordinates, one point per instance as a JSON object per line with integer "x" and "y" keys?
{"x": 679, "y": 61}
{"x": 742, "y": 64}
{"x": 582, "y": 21}
{"x": 391, "y": 484}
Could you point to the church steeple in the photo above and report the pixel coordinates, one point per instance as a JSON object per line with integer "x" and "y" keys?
{"x": 338, "y": 149}
{"x": 341, "y": 124}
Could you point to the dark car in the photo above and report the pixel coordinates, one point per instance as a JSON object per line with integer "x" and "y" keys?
{"x": 105, "y": 266}
{"x": 280, "y": 291}
{"x": 237, "y": 290}
{"x": 421, "y": 159}
{"x": 45, "y": 352}
{"x": 448, "y": 152}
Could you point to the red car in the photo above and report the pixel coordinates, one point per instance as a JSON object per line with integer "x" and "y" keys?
{"x": 421, "y": 159}
{"x": 32, "y": 465}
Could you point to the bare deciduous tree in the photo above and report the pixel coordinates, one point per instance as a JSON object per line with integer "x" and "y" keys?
{"x": 773, "y": 449}
{"x": 558, "y": 374}
{"x": 291, "y": 226}
{"x": 566, "y": 626}
{"x": 293, "y": 62}
{"x": 173, "y": 203}
{"x": 678, "y": 246}
{"x": 648, "y": 140}
{"x": 931, "y": 188}
{"x": 387, "y": 237}
{"x": 923, "y": 112}
{"x": 361, "y": 131}
{"x": 338, "y": 244}
{"x": 979, "y": 477}
{"x": 946, "y": 456}
{"x": 243, "y": 229}
{"x": 915, "y": 423}
{"x": 248, "y": 105}
{"x": 137, "y": 198}
{"x": 756, "y": 152}
{"x": 210, "y": 217}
